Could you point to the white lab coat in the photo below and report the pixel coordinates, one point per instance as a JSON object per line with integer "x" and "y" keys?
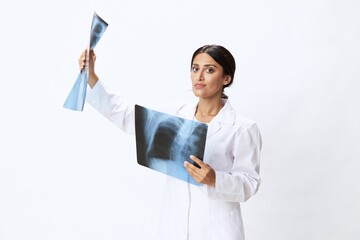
{"x": 232, "y": 149}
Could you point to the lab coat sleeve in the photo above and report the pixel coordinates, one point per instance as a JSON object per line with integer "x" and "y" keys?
{"x": 114, "y": 108}
{"x": 243, "y": 180}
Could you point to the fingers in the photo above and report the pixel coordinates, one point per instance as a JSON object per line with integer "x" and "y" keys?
{"x": 82, "y": 59}
{"x": 192, "y": 170}
{"x": 205, "y": 174}
{"x": 191, "y": 167}
{"x": 198, "y": 161}
{"x": 87, "y": 59}
{"x": 196, "y": 166}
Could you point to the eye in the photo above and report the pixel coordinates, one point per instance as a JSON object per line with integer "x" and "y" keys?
{"x": 195, "y": 68}
{"x": 210, "y": 70}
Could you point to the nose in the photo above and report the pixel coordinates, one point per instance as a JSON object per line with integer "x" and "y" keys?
{"x": 200, "y": 75}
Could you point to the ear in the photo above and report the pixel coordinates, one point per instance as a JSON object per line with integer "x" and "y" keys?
{"x": 227, "y": 80}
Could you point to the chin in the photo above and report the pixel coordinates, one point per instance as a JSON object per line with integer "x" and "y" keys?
{"x": 197, "y": 93}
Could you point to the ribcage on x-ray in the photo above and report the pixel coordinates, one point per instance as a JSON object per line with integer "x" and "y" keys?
{"x": 164, "y": 137}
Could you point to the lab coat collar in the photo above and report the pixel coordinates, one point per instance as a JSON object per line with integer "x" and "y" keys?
{"x": 226, "y": 116}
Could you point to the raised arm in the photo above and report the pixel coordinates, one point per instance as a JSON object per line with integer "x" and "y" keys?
{"x": 114, "y": 108}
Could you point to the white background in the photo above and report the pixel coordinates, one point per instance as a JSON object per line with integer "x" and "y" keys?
{"x": 73, "y": 175}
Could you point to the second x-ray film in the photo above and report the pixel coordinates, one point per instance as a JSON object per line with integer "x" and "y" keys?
{"x": 164, "y": 142}
{"x": 76, "y": 98}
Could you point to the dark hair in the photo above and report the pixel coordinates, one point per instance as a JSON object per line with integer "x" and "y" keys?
{"x": 223, "y": 57}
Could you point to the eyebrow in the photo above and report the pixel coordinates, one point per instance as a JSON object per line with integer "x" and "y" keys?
{"x": 206, "y": 65}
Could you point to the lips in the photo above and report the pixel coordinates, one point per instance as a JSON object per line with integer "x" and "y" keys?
{"x": 199, "y": 86}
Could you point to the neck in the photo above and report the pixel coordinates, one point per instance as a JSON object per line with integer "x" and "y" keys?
{"x": 207, "y": 109}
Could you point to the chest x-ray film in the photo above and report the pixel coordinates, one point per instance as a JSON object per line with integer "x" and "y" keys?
{"x": 164, "y": 142}
{"x": 76, "y": 98}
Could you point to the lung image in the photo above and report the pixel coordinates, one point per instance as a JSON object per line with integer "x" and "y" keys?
{"x": 98, "y": 27}
{"x": 164, "y": 142}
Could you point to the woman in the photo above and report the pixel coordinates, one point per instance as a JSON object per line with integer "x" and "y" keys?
{"x": 229, "y": 172}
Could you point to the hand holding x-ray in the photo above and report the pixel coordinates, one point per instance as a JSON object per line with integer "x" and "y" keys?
{"x": 76, "y": 98}
{"x": 204, "y": 174}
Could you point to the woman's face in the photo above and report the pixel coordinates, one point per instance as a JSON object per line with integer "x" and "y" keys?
{"x": 207, "y": 77}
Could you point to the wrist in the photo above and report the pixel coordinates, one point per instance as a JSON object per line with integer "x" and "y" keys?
{"x": 93, "y": 78}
